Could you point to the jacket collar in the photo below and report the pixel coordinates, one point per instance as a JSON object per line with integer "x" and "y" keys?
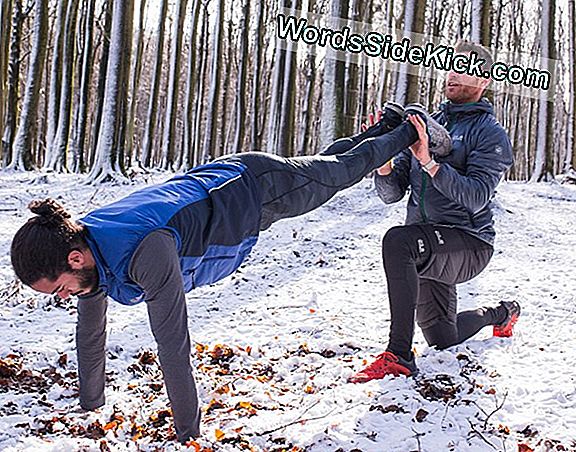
{"x": 452, "y": 110}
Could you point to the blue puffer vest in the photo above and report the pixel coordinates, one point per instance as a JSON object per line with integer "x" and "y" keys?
{"x": 213, "y": 211}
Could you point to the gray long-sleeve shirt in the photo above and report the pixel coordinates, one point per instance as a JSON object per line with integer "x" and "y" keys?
{"x": 154, "y": 267}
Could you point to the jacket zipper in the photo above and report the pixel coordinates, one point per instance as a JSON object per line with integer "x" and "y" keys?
{"x": 422, "y": 207}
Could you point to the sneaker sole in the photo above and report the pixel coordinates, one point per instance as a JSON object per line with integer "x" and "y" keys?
{"x": 440, "y": 140}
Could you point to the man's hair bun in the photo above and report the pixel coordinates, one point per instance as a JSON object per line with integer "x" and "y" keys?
{"x": 49, "y": 210}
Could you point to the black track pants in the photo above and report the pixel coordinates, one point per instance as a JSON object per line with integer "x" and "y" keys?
{"x": 295, "y": 186}
{"x": 423, "y": 264}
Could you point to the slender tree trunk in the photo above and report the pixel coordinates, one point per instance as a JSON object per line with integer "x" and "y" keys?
{"x": 332, "y": 122}
{"x": 56, "y": 77}
{"x": 168, "y": 157}
{"x": 408, "y": 86}
{"x": 102, "y": 70}
{"x": 153, "y": 99}
{"x": 5, "y": 30}
{"x": 571, "y": 145}
{"x": 287, "y": 110}
{"x": 277, "y": 90}
{"x": 385, "y": 73}
{"x": 124, "y": 94}
{"x": 481, "y": 22}
{"x": 351, "y": 85}
{"x": 214, "y": 96}
{"x": 22, "y": 149}
{"x": 308, "y": 99}
{"x": 135, "y": 82}
{"x": 543, "y": 169}
{"x": 200, "y": 88}
{"x": 80, "y": 125}
{"x": 57, "y": 151}
{"x": 241, "y": 86}
{"x": 256, "y": 88}
{"x": 13, "y": 79}
{"x": 107, "y": 166}
{"x": 362, "y": 106}
{"x": 221, "y": 143}
{"x": 189, "y": 137}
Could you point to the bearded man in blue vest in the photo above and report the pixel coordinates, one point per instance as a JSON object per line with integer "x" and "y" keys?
{"x": 162, "y": 241}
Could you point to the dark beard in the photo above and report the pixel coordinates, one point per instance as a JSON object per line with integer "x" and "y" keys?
{"x": 87, "y": 278}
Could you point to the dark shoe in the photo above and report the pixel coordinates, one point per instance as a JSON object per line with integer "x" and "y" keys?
{"x": 440, "y": 142}
{"x": 392, "y": 117}
{"x": 506, "y": 328}
{"x": 386, "y": 363}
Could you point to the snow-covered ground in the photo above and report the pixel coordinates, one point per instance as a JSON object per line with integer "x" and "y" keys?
{"x": 276, "y": 341}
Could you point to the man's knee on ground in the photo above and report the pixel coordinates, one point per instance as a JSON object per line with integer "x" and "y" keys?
{"x": 439, "y": 333}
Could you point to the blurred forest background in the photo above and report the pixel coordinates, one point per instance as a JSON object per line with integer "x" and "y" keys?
{"x": 110, "y": 87}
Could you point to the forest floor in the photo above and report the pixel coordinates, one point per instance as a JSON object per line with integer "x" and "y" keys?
{"x": 276, "y": 341}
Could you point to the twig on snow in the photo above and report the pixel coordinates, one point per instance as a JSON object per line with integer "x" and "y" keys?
{"x": 300, "y": 420}
{"x": 498, "y": 408}
{"x": 481, "y": 436}
{"x": 417, "y": 436}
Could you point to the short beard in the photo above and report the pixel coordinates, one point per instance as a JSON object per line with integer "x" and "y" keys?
{"x": 87, "y": 278}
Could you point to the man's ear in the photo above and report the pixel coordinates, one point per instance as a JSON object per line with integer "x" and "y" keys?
{"x": 484, "y": 83}
{"x": 76, "y": 259}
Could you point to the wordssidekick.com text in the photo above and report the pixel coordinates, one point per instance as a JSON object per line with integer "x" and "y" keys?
{"x": 378, "y": 45}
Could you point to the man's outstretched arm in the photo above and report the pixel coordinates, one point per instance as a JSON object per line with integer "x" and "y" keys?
{"x": 155, "y": 266}
{"x": 90, "y": 348}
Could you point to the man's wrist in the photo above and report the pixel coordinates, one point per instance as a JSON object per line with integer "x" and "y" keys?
{"x": 429, "y": 166}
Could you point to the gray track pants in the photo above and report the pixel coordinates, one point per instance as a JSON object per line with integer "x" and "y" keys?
{"x": 295, "y": 186}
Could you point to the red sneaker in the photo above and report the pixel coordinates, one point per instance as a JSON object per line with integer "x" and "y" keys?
{"x": 386, "y": 363}
{"x": 506, "y": 328}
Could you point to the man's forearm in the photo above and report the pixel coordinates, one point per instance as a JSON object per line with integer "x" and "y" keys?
{"x": 155, "y": 267}
{"x": 90, "y": 349}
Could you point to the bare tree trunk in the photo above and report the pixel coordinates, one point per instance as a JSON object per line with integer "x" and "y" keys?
{"x": 135, "y": 82}
{"x": 5, "y": 23}
{"x": 408, "y": 86}
{"x": 107, "y": 165}
{"x": 288, "y": 106}
{"x": 221, "y": 143}
{"x": 153, "y": 100}
{"x": 120, "y": 137}
{"x": 56, "y": 77}
{"x": 13, "y": 79}
{"x": 174, "y": 79}
{"x": 543, "y": 169}
{"x": 308, "y": 99}
{"x": 274, "y": 110}
{"x": 351, "y": 84}
{"x": 332, "y": 122}
{"x": 214, "y": 96}
{"x": 362, "y": 106}
{"x": 189, "y": 137}
{"x": 481, "y": 22}
{"x": 81, "y": 120}
{"x": 200, "y": 89}
{"x": 57, "y": 151}
{"x": 22, "y": 158}
{"x": 102, "y": 70}
{"x": 571, "y": 145}
{"x": 254, "y": 136}
{"x": 385, "y": 73}
{"x": 241, "y": 86}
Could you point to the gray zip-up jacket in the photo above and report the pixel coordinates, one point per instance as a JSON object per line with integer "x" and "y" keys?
{"x": 461, "y": 192}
